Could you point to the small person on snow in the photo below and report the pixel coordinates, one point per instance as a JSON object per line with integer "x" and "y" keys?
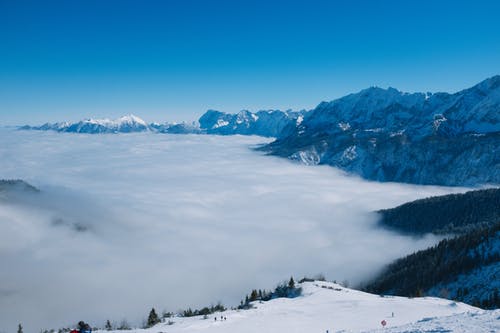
{"x": 84, "y": 327}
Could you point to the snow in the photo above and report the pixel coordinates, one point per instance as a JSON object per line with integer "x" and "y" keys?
{"x": 221, "y": 123}
{"x": 484, "y": 321}
{"x": 374, "y": 130}
{"x": 307, "y": 157}
{"x": 131, "y": 119}
{"x": 349, "y": 153}
{"x": 329, "y": 306}
{"x": 438, "y": 119}
{"x": 344, "y": 126}
{"x": 299, "y": 120}
{"x": 398, "y": 133}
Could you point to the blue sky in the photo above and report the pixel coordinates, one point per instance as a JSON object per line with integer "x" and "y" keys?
{"x": 172, "y": 60}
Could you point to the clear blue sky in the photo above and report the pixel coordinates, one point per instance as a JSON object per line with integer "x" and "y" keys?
{"x": 172, "y": 60}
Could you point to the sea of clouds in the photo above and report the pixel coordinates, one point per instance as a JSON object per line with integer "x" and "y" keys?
{"x": 127, "y": 222}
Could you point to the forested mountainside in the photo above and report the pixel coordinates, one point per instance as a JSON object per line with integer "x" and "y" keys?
{"x": 473, "y": 259}
{"x": 453, "y": 213}
{"x": 466, "y": 267}
{"x": 8, "y": 185}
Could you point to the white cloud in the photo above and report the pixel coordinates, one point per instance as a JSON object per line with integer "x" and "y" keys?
{"x": 176, "y": 221}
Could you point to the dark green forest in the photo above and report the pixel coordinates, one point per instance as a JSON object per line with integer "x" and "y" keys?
{"x": 454, "y": 213}
{"x": 16, "y": 184}
{"x": 417, "y": 273}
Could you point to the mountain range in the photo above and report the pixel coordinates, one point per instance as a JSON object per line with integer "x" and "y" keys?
{"x": 125, "y": 124}
{"x": 268, "y": 123}
{"x": 379, "y": 134}
{"x": 388, "y": 135}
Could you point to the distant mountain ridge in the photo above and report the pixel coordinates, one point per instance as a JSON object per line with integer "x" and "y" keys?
{"x": 125, "y": 124}
{"x": 388, "y": 135}
{"x": 268, "y": 123}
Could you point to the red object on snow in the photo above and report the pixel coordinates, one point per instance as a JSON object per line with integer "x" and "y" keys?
{"x": 383, "y": 322}
{"x": 74, "y": 331}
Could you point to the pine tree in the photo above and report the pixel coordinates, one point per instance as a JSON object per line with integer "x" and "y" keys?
{"x": 254, "y": 295}
{"x": 19, "y": 328}
{"x": 291, "y": 283}
{"x": 108, "y": 325}
{"x": 153, "y": 318}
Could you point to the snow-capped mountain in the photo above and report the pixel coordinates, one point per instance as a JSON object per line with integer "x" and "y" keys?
{"x": 176, "y": 128}
{"x": 388, "y": 135}
{"x": 269, "y": 123}
{"x": 125, "y": 124}
{"x": 329, "y": 307}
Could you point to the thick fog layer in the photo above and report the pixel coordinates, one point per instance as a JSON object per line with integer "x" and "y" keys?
{"x": 127, "y": 222}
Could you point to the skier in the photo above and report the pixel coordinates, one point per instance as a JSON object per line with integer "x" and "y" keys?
{"x": 84, "y": 327}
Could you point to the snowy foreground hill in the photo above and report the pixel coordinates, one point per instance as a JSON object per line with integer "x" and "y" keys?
{"x": 326, "y": 306}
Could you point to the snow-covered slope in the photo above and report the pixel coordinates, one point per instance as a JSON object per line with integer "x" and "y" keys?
{"x": 388, "y": 135}
{"x": 270, "y": 123}
{"x": 469, "y": 322}
{"x": 328, "y": 306}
